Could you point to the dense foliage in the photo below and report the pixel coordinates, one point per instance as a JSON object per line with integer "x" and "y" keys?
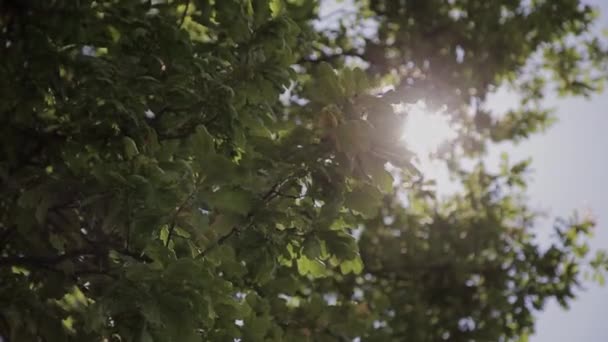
{"x": 201, "y": 170}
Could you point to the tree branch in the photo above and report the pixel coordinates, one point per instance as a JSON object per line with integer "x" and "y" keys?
{"x": 222, "y": 239}
{"x": 267, "y": 197}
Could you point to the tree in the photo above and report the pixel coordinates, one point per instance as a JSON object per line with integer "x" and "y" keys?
{"x": 219, "y": 170}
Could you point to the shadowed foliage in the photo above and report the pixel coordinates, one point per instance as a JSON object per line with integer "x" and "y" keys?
{"x": 213, "y": 170}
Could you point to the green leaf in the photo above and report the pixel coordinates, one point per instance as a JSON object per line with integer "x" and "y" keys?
{"x": 262, "y": 266}
{"x": 312, "y": 248}
{"x": 182, "y": 233}
{"x": 130, "y": 147}
{"x": 224, "y": 223}
{"x": 313, "y": 267}
{"x": 158, "y": 252}
{"x": 203, "y": 142}
{"x": 256, "y": 328}
{"x": 231, "y": 200}
{"x": 329, "y": 87}
{"x": 354, "y": 137}
{"x": 42, "y": 209}
{"x": 362, "y": 84}
{"x": 219, "y": 169}
{"x": 277, "y": 7}
{"x": 164, "y": 234}
{"x": 339, "y": 244}
{"x": 145, "y": 336}
{"x": 261, "y": 9}
{"x": 364, "y": 199}
{"x": 354, "y": 266}
{"x": 374, "y": 167}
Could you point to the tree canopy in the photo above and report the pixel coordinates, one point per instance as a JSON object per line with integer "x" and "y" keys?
{"x": 222, "y": 170}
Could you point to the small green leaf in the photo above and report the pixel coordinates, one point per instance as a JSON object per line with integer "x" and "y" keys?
{"x": 354, "y": 137}
{"x": 354, "y": 266}
{"x": 130, "y": 147}
{"x": 203, "y": 141}
{"x": 364, "y": 199}
{"x": 341, "y": 245}
{"x": 312, "y": 247}
{"x": 329, "y": 86}
{"x": 219, "y": 169}
{"x": 256, "y": 327}
{"x": 182, "y": 233}
{"x": 42, "y": 209}
{"x": 374, "y": 167}
{"x": 231, "y": 200}
{"x": 224, "y": 223}
{"x": 361, "y": 81}
{"x": 313, "y": 267}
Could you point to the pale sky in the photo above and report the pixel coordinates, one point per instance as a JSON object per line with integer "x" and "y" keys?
{"x": 569, "y": 169}
{"x": 570, "y": 165}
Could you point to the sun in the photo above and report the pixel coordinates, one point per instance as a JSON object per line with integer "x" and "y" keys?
{"x": 424, "y": 130}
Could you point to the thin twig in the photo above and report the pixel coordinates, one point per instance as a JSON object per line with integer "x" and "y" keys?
{"x": 138, "y": 257}
{"x": 177, "y": 212}
{"x": 267, "y": 197}
{"x": 223, "y": 239}
{"x": 295, "y": 197}
{"x": 181, "y": 22}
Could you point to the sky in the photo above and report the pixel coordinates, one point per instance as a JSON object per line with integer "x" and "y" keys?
{"x": 569, "y": 173}
{"x": 570, "y": 166}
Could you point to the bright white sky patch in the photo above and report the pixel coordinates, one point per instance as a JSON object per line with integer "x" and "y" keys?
{"x": 425, "y": 131}
{"x": 149, "y": 114}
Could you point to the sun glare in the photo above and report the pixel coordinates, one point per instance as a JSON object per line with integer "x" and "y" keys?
{"x": 425, "y": 131}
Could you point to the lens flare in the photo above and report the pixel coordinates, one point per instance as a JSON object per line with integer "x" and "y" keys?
{"x": 425, "y": 131}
